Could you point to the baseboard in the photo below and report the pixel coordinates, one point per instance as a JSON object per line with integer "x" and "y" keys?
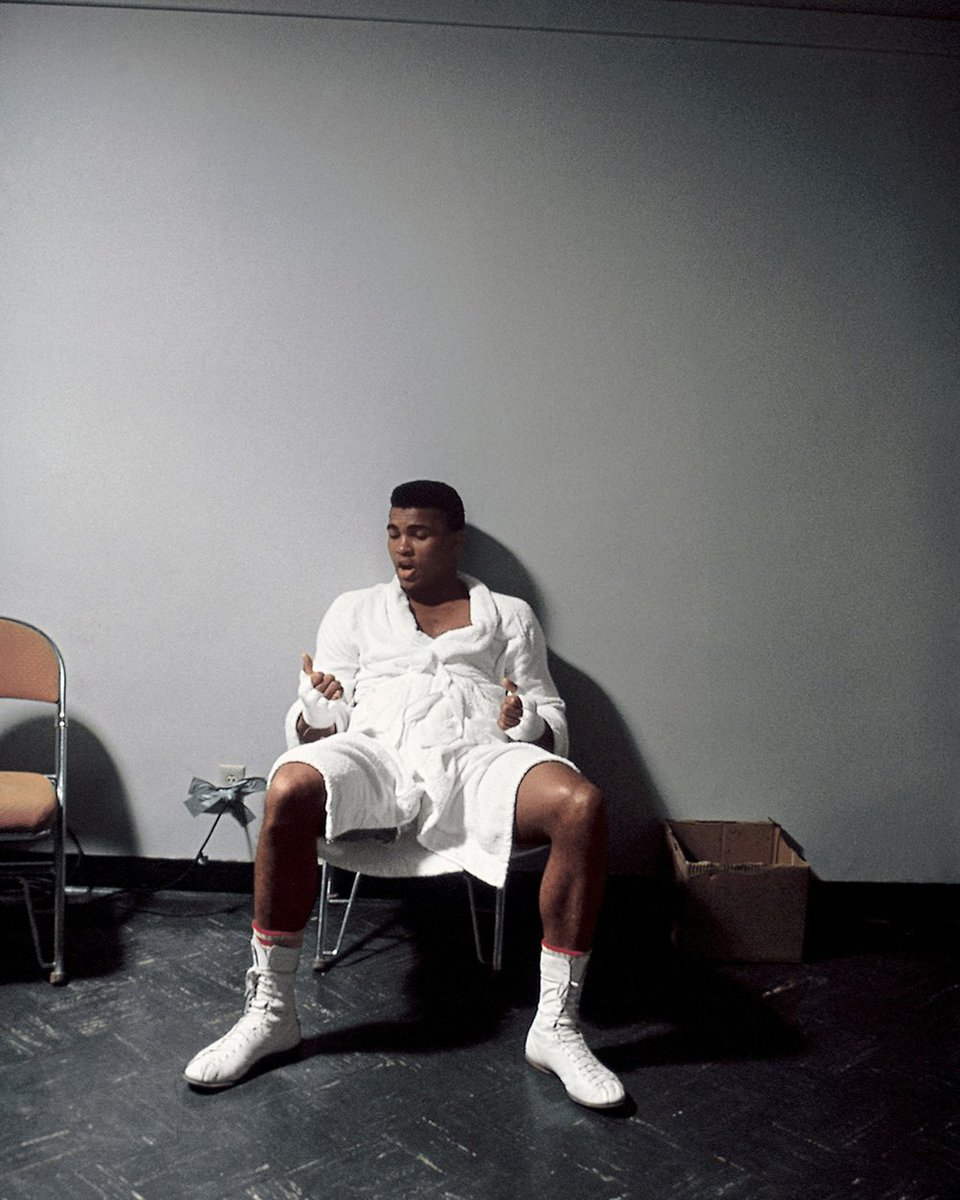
{"x": 854, "y": 898}
{"x": 886, "y": 899}
{"x": 158, "y": 874}
{"x": 842, "y": 917}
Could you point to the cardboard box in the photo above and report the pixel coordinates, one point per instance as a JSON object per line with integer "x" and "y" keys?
{"x": 743, "y": 891}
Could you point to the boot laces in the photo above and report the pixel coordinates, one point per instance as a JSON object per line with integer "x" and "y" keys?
{"x": 566, "y": 1029}
{"x": 582, "y": 1062}
{"x": 259, "y": 990}
{"x": 251, "y": 983}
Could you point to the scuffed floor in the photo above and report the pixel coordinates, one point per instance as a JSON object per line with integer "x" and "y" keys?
{"x": 837, "y": 1078}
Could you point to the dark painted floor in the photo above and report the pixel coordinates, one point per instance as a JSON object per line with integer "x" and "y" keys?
{"x": 834, "y": 1078}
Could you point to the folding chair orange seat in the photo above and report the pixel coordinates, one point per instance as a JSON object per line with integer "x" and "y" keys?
{"x": 33, "y": 803}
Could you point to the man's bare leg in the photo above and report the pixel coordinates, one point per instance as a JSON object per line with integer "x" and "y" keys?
{"x": 285, "y": 871}
{"x": 556, "y": 803}
{"x": 559, "y": 805}
{"x": 285, "y": 888}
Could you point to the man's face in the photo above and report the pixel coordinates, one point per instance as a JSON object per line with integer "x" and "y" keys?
{"x": 424, "y": 551}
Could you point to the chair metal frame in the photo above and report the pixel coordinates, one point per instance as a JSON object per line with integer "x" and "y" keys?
{"x": 43, "y": 678}
{"x": 329, "y": 947}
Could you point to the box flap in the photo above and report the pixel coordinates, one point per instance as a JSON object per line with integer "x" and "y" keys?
{"x": 731, "y": 845}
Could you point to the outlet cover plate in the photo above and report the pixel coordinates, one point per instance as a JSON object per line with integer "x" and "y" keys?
{"x": 231, "y": 773}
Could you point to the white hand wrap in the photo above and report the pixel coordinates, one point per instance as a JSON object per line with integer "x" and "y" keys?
{"x": 318, "y": 711}
{"x": 531, "y": 726}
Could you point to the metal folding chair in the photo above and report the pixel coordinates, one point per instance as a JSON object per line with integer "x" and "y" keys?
{"x": 405, "y": 859}
{"x": 33, "y": 803}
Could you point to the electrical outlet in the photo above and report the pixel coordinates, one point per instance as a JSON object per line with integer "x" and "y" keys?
{"x": 231, "y": 773}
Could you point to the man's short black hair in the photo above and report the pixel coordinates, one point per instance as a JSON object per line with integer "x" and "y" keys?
{"x": 430, "y": 493}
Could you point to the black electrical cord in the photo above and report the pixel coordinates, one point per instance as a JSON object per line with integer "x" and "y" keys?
{"x": 169, "y": 885}
{"x": 303, "y": 13}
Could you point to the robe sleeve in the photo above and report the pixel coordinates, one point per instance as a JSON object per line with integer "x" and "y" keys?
{"x": 336, "y": 653}
{"x": 525, "y": 663}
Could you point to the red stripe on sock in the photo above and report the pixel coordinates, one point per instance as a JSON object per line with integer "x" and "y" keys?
{"x": 560, "y": 950}
{"x": 277, "y": 936}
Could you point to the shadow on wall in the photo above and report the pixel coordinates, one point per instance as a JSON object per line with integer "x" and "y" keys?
{"x": 601, "y": 743}
{"x": 496, "y": 566}
{"x": 98, "y": 807}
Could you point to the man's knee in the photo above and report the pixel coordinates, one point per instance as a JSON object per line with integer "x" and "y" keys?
{"x": 582, "y": 806}
{"x": 563, "y": 803}
{"x": 296, "y": 796}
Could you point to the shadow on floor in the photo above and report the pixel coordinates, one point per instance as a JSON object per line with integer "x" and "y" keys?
{"x": 93, "y": 942}
{"x": 665, "y": 1008}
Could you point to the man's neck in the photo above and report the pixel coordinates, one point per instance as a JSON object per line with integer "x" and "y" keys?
{"x": 448, "y": 592}
{"x": 443, "y": 610}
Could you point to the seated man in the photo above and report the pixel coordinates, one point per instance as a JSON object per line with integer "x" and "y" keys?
{"x": 428, "y": 701}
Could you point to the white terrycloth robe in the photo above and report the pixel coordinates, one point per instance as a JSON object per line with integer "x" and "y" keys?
{"x": 422, "y": 748}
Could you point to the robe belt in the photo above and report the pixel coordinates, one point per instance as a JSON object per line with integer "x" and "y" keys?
{"x": 450, "y": 682}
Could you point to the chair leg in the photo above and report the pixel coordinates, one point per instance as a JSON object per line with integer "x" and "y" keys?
{"x": 34, "y": 930}
{"x": 326, "y": 955}
{"x": 498, "y": 927}
{"x": 495, "y": 962}
{"x": 55, "y": 966}
{"x": 58, "y": 974}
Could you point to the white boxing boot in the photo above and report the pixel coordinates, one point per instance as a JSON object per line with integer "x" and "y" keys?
{"x": 555, "y": 1043}
{"x": 268, "y": 1026}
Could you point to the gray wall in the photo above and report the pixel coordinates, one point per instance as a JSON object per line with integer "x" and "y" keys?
{"x": 676, "y": 310}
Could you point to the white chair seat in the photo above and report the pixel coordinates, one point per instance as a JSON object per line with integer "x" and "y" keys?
{"x": 403, "y": 858}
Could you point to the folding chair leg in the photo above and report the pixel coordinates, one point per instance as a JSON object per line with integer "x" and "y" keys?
{"x": 498, "y": 926}
{"x": 326, "y": 955}
{"x": 34, "y": 930}
{"x": 58, "y": 974}
{"x": 495, "y": 962}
